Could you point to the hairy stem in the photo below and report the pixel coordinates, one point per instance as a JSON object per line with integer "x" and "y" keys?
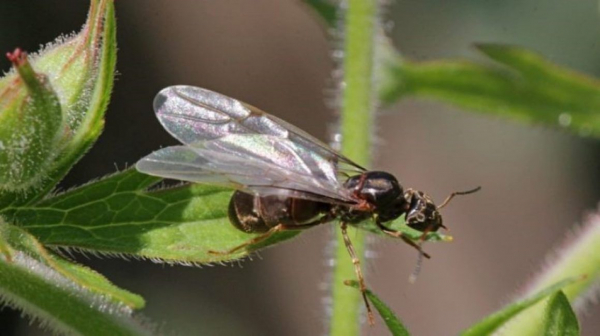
{"x": 356, "y": 123}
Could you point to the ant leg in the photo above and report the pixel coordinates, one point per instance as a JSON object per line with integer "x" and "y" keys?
{"x": 398, "y": 234}
{"x": 359, "y": 275}
{"x": 256, "y": 240}
{"x": 273, "y": 230}
{"x": 424, "y": 235}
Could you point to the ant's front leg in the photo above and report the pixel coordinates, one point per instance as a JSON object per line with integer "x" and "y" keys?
{"x": 398, "y": 234}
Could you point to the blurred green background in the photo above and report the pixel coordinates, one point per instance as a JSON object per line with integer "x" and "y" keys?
{"x": 538, "y": 183}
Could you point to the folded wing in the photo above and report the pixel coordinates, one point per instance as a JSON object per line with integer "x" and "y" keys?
{"x": 234, "y": 144}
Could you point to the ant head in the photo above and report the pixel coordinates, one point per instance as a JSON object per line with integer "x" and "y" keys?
{"x": 422, "y": 214}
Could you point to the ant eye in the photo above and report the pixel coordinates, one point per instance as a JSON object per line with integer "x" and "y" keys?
{"x": 421, "y": 217}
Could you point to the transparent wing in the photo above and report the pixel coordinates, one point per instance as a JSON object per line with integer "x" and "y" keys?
{"x": 224, "y": 163}
{"x": 194, "y": 116}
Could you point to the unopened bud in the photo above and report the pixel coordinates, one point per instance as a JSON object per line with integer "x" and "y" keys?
{"x": 30, "y": 122}
{"x": 52, "y": 103}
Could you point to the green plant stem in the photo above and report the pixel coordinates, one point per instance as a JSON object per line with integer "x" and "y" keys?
{"x": 356, "y": 122}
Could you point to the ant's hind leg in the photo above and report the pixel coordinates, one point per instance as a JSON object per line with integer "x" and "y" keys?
{"x": 272, "y": 231}
{"x": 255, "y": 240}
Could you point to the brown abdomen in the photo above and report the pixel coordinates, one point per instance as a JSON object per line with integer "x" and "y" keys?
{"x": 243, "y": 215}
{"x": 255, "y": 214}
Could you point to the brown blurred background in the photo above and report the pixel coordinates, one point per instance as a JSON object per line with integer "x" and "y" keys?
{"x": 537, "y": 182}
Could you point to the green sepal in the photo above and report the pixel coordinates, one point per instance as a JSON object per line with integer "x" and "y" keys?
{"x": 30, "y": 124}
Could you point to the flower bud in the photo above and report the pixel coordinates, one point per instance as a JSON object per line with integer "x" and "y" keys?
{"x": 30, "y": 120}
{"x": 52, "y": 103}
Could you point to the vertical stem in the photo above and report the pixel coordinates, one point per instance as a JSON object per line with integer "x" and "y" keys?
{"x": 356, "y": 127}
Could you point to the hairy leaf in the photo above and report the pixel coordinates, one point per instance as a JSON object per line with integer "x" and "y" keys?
{"x": 526, "y": 87}
{"x": 492, "y": 322}
{"x": 70, "y": 298}
{"x": 117, "y": 215}
{"x": 560, "y": 319}
{"x": 324, "y": 8}
{"x": 391, "y": 320}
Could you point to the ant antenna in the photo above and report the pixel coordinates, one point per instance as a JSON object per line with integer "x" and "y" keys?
{"x": 456, "y": 193}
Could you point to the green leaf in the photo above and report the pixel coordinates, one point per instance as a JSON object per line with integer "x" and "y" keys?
{"x": 560, "y": 319}
{"x": 67, "y": 298}
{"x": 526, "y": 88}
{"x": 492, "y": 322}
{"x": 15, "y": 238}
{"x": 325, "y": 9}
{"x": 117, "y": 215}
{"x": 400, "y": 225}
{"x": 391, "y": 320}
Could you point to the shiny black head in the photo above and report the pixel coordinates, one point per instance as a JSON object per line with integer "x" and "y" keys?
{"x": 380, "y": 190}
{"x": 422, "y": 214}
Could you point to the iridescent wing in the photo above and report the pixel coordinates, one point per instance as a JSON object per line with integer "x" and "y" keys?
{"x": 236, "y": 145}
